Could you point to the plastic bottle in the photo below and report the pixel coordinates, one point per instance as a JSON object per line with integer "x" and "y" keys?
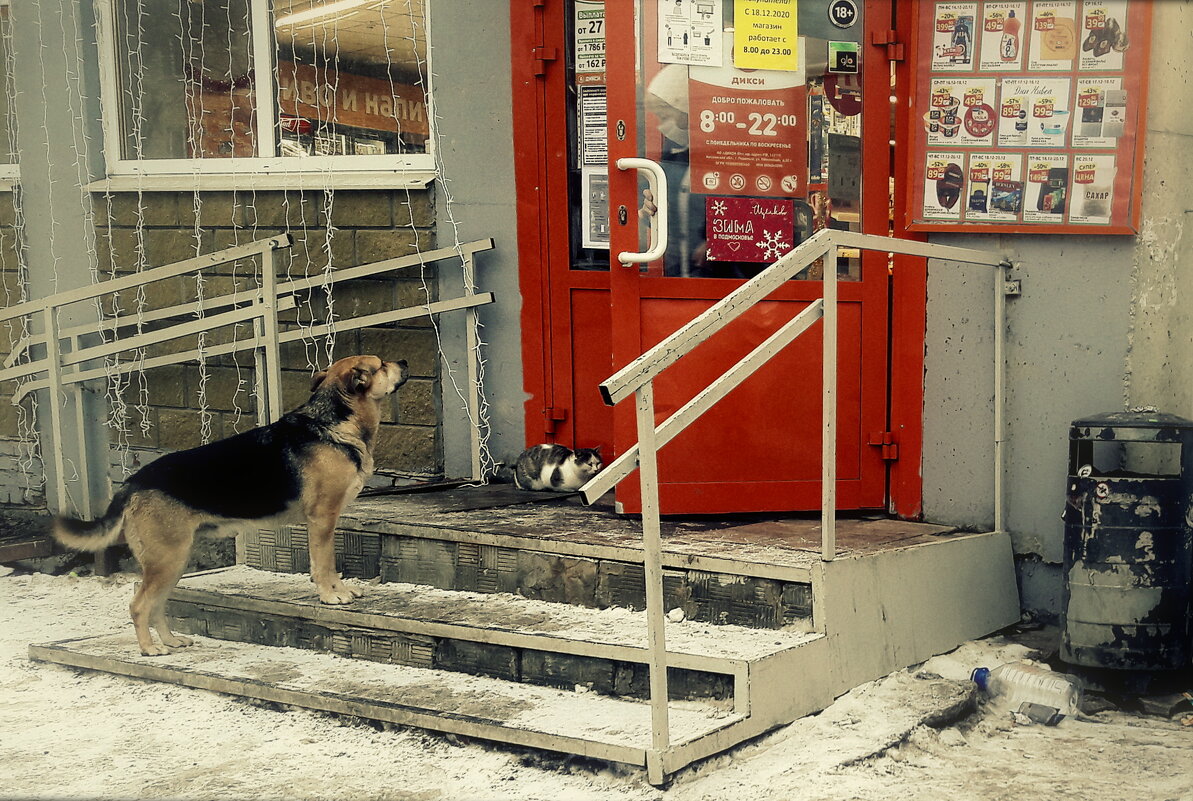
{"x": 1041, "y": 694}
{"x": 1009, "y": 46}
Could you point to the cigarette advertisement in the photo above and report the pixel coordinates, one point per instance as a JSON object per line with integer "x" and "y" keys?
{"x": 1026, "y": 115}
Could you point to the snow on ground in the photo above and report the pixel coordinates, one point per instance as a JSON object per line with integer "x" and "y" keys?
{"x": 67, "y": 734}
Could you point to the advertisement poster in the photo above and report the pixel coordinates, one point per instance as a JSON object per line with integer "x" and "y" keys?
{"x": 589, "y": 41}
{"x": 594, "y": 209}
{"x": 1002, "y": 36}
{"x": 944, "y": 180}
{"x": 765, "y": 35}
{"x": 592, "y": 111}
{"x": 1034, "y": 112}
{"x": 961, "y": 112}
{"x": 749, "y": 228}
{"x": 1093, "y": 189}
{"x": 953, "y": 39}
{"x": 994, "y": 190}
{"x": 748, "y": 131}
{"x": 1054, "y": 36}
{"x": 1104, "y": 36}
{"x": 1042, "y": 129}
{"x": 690, "y": 33}
{"x": 1100, "y": 117}
{"x": 1047, "y": 190}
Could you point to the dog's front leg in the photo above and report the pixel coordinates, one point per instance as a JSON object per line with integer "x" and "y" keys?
{"x": 321, "y": 533}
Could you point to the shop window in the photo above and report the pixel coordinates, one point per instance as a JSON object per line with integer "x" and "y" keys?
{"x": 254, "y": 85}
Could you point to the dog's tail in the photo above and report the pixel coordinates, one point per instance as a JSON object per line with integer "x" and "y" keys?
{"x": 96, "y": 535}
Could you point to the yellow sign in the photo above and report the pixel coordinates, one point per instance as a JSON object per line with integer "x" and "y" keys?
{"x": 765, "y": 34}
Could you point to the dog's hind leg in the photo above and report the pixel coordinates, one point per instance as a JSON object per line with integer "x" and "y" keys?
{"x": 163, "y": 556}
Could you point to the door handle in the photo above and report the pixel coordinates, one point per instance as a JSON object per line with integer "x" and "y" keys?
{"x": 656, "y": 179}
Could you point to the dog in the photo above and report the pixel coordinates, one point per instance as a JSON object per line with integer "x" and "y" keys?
{"x": 304, "y": 468}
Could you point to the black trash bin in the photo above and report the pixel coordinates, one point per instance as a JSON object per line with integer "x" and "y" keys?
{"x": 1128, "y": 542}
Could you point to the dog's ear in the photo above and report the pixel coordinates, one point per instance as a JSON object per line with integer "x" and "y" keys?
{"x": 361, "y": 379}
{"x": 317, "y": 379}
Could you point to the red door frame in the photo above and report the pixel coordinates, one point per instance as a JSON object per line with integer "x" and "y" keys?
{"x": 537, "y": 48}
{"x": 909, "y": 294}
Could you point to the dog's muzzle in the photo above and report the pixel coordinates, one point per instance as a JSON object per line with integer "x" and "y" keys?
{"x": 398, "y": 371}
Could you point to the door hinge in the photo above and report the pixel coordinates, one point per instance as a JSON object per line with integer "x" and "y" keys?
{"x": 886, "y": 441}
{"x": 552, "y": 417}
{"x": 541, "y": 55}
{"x": 890, "y": 40}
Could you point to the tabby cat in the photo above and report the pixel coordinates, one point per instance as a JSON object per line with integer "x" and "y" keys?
{"x": 556, "y": 468}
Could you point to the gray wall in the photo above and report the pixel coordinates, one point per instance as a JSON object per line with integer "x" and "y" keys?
{"x": 474, "y": 109}
{"x": 1102, "y": 325}
{"x": 58, "y": 113}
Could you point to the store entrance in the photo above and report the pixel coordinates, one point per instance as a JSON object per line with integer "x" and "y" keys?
{"x": 768, "y": 129}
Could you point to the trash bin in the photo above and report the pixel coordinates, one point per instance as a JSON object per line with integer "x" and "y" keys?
{"x": 1128, "y": 542}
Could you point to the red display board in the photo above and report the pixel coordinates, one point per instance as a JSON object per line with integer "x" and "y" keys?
{"x": 1029, "y": 116}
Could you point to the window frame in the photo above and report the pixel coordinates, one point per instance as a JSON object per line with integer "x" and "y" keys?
{"x": 10, "y": 172}
{"x": 258, "y": 172}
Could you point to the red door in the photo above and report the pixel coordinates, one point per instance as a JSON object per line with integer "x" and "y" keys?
{"x": 758, "y": 158}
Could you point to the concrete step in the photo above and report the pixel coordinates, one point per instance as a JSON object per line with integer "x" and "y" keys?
{"x": 582, "y": 723}
{"x": 498, "y": 635}
{"x": 557, "y": 552}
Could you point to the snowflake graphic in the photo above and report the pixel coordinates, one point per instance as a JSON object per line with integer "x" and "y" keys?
{"x": 773, "y": 244}
{"x": 718, "y": 208}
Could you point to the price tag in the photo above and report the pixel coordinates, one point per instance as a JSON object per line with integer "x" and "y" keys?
{"x": 843, "y": 57}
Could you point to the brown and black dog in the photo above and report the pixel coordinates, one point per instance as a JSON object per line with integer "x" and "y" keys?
{"x": 304, "y": 468}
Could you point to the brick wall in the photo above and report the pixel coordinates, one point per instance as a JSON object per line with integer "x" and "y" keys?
{"x": 366, "y": 226}
{"x": 20, "y": 470}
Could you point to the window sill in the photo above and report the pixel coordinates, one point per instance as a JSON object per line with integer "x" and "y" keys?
{"x": 263, "y": 181}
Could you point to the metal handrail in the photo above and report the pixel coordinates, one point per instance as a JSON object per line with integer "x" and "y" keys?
{"x": 259, "y": 306}
{"x": 637, "y": 378}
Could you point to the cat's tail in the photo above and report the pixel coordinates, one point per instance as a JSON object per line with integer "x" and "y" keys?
{"x": 94, "y": 535}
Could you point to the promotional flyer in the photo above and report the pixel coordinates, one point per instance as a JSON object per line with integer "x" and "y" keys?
{"x": 1028, "y": 115}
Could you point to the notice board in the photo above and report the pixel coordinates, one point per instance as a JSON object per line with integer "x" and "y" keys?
{"x": 1028, "y": 116}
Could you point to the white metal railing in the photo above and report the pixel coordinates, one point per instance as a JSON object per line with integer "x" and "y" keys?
{"x": 65, "y": 361}
{"x": 637, "y": 379}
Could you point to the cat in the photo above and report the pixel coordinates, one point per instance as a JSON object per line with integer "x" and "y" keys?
{"x": 556, "y": 468}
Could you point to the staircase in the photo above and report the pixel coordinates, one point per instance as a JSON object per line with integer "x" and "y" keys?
{"x": 518, "y": 617}
{"x": 521, "y": 622}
